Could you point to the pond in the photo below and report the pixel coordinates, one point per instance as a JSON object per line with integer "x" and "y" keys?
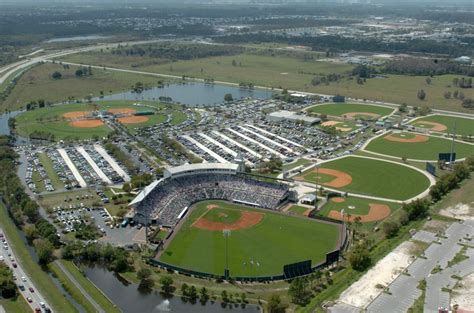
{"x": 129, "y": 299}
{"x": 77, "y": 38}
{"x": 193, "y": 94}
{"x": 4, "y": 129}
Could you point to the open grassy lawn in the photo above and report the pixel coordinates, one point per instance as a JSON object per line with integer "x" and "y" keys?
{"x": 17, "y": 304}
{"x": 40, "y": 278}
{"x": 464, "y": 126}
{"x": 427, "y": 150}
{"x": 295, "y": 74}
{"x": 48, "y": 167}
{"x": 377, "y": 178}
{"x": 401, "y": 89}
{"x": 353, "y": 205}
{"x": 340, "y": 109}
{"x": 38, "y": 84}
{"x": 38, "y": 180}
{"x": 264, "y": 70}
{"x": 275, "y": 241}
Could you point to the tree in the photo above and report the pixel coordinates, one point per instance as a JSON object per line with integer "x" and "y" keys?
{"x": 56, "y": 75}
{"x": 421, "y": 94}
{"x": 44, "y": 250}
{"x": 7, "y": 284}
{"x": 146, "y": 281}
{"x": 390, "y": 229}
{"x": 127, "y": 187}
{"x": 416, "y": 209}
{"x": 204, "y": 295}
{"x": 359, "y": 257}
{"x": 167, "y": 287}
{"x": 428, "y": 80}
{"x": 192, "y": 294}
{"x": 299, "y": 291}
{"x": 224, "y": 296}
{"x": 228, "y": 97}
{"x": 79, "y": 72}
{"x": 275, "y": 306}
{"x": 403, "y": 108}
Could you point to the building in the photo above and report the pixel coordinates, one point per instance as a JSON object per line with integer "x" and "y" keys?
{"x": 279, "y": 116}
{"x": 464, "y": 60}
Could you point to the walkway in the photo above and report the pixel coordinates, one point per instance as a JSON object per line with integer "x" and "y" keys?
{"x": 72, "y": 167}
{"x": 256, "y": 143}
{"x": 94, "y": 165}
{"x": 238, "y": 144}
{"x": 97, "y": 307}
{"x": 206, "y": 149}
{"x": 266, "y": 139}
{"x": 112, "y": 162}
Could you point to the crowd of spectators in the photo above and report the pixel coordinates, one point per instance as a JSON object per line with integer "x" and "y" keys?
{"x": 172, "y": 195}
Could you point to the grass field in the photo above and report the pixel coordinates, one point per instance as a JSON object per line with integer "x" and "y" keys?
{"x": 38, "y": 84}
{"x": 51, "y": 119}
{"x": 277, "y": 240}
{"x": 399, "y": 182}
{"x": 296, "y": 74}
{"x": 353, "y": 205}
{"x": 49, "y": 168}
{"x": 298, "y": 209}
{"x": 40, "y": 278}
{"x": 17, "y": 304}
{"x": 427, "y": 150}
{"x": 340, "y": 109}
{"x": 464, "y": 126}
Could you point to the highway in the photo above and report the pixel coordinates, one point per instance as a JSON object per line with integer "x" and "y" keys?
{"x": 22, "y": 279}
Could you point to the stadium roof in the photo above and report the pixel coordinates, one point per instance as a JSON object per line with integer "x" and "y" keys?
{"x": 201, "y": 166}
{"x": 292, "y": 116}
{"x": 145, "y": 192}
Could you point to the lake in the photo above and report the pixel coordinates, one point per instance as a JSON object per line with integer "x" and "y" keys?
{"x": 193, "y": 94}
{"x": 77, "y": 38}
{"x": 127, "y": 297}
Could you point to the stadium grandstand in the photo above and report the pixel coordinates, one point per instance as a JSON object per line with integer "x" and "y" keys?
{"x": 166, "y": 201}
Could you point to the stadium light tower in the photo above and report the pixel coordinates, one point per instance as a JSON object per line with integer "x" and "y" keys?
{"x": 317, "y": 181}
{"x": 226, "y": 233}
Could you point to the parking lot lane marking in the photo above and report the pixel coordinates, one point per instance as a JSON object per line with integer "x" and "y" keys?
{"x": 72, "y": 167}
{"x": 112, "y": 162}
{"x": 94, "y": 165}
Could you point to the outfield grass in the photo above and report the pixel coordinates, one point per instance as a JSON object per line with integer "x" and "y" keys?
{"x": 49, "y": 168}
{"x": 277, "y": 240}
{"x": 353, "y": 205}
{"x": 377, "y": 178}
{"x": 40, "y": 278}
{"x": 339, "y": 109}
{"x": 51, "y": 119}
{"x": 427, "y": 150}
{"x": 464, "y": 126}
{"x": 37, "y": 84}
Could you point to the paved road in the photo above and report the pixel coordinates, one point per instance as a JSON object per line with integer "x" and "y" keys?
{"x": 22, "y": 278}
{"x": 78, "y": 286}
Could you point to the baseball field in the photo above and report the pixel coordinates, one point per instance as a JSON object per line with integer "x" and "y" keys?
{"x": 75, "y": 121}
{"x": 445, "y": 124}
{"x": 351, "y": 110}
{"x": 367, "y": 210}
{"x": 417, "y": 147}
{"x": 260, "y": 243}
{"x": 368, "y": 176}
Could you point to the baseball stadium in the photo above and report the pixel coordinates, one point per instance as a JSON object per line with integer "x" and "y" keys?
{"x": 224, "y": 223}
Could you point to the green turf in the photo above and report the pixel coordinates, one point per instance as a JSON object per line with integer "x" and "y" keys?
{"x": 353, "y": 205}
{"x": 17, "y": 304}
{"x": 223, "y": 215}
{"x": 51, "y": 119}
{"x": 378, "y": 178}
{"x": 40, "y": 278}
{"x": 277, "y": 240}
{"x": 297, "y": 163}
{"x": 427, "y": 150}
{"x": 48, "y": 167}
{"x": 464, "y": 126}
{"x": 298, "y": 209}
{"x": 339, "y": 109}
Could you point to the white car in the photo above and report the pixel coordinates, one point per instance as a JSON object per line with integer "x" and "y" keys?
{"x": 23, "y": 278}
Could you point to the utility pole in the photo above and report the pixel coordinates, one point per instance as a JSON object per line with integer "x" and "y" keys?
{"x": 452, "y": 146}
{"x": 317, "y": 181}
{"x": 226, "y": 233}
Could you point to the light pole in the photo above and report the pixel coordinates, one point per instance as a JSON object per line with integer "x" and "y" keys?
{"x": 317, "y": 181}
{"x": 226, "y": 233}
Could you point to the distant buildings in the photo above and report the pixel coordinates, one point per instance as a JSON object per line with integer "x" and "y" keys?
{"x": 464, "y": 60}
{"x": 279, "y": 116}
